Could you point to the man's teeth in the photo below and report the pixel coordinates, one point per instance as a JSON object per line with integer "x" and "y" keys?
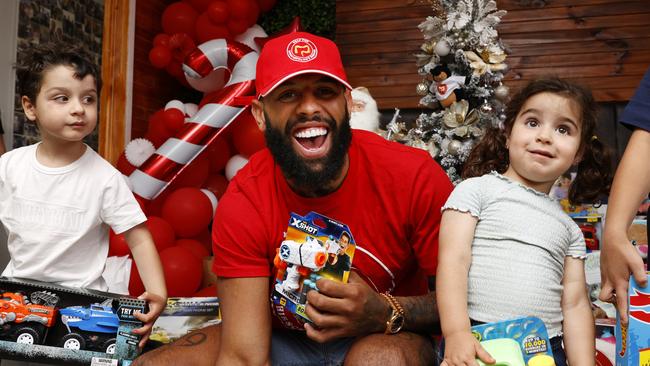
{"x": 311, "y": 132}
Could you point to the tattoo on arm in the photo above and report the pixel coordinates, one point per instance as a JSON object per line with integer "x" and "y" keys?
{"x": 422, "y": 311}
{"x": 192, "y": 339}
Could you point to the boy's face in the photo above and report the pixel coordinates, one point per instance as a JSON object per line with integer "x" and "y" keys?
{"x": 65, "y": 107}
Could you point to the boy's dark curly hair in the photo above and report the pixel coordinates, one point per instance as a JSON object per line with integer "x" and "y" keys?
{"x": 40, "y": 58}
{"x": 594, "y": 170}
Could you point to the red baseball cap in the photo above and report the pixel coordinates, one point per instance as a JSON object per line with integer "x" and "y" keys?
{"x": 294, "y": 54}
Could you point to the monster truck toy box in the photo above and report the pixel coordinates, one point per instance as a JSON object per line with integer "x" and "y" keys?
{"x": 42, "y": 322}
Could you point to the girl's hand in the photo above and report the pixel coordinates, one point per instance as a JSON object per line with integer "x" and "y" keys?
{"x": 462, "y": 349}
{"x": 156, "y": 306}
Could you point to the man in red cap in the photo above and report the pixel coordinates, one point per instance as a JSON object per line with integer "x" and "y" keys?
{"x": 388, "y": 194}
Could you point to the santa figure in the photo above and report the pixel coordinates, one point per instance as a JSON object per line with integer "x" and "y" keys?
{"x": 365, "y": 115}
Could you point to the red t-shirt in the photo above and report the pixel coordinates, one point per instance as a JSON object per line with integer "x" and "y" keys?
{"x": 390, "y": 199}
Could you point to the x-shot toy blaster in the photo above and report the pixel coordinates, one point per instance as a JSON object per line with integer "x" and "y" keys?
{"x": 315, "y": 246}
{"x": 517, "y": 342}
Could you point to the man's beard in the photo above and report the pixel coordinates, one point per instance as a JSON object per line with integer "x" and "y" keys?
{"x": 299, "y": 171}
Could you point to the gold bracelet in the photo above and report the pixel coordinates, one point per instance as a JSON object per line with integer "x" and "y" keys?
{"x": 396, "y": 320}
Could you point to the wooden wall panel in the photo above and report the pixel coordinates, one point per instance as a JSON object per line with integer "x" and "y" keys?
{"x": 604, "y": 44}
{"x": 152, "y": 88}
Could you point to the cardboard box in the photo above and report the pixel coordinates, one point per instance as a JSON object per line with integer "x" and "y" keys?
{"x": 515, "y": 342}
{"x": 42, "y": 322}
{"x": 633, "y": 341}
{"x": 183, "y": 315}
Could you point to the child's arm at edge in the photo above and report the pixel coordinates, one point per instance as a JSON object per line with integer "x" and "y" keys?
{"x": 147, "y": 260}
{"x": 578, "y": 325}
{"x": 454, "y": 259}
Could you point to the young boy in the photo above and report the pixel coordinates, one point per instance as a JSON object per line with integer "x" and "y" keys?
{"x": 58, "y": 197}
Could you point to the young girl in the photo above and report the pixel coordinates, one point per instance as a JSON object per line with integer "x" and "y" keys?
{"x": 507, "y": 249}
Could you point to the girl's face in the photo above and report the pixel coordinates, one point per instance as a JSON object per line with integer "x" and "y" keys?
{"x": 544, "y": 141}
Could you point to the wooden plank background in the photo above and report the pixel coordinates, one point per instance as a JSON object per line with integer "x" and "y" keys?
{"x": 604, "y": 44}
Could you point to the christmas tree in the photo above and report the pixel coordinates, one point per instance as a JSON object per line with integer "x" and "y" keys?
{"x": 462, "y": 62}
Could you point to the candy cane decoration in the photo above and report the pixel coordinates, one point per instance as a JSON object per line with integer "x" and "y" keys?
{"x": 155, "y": 174}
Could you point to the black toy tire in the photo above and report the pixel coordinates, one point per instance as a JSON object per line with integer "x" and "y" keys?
{"x": 109, "y": 346}
{"x": 73, "y": 341}
{"x": 27, "y": 335}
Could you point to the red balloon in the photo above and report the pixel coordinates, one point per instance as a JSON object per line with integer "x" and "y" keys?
{"x": 124, "y": 166}
{"x": 161, "y": 39}
{"x": 117, "y": 246}
{"x": 238, "y": 26}
{"x": 194, "y": 246}
{"x": 179, "y": 17}
{"x": 209, "y": 291}
{"x": 183, "y": 271}
{"x": 218, "y": 12}
{"x": 174, "y": 119}
{"x": 242, "y": 9}
{"x": 205, "y": 238}
{"x": 266, "y": 5}
{"x": 188, "y": 210}
{"x": 206, "y": 30}
{"x": 154, "y": 207}
{"x": 160, "y": 56}
{"x": 175, "y": 69}
{"x": 219, "y": 152}
{"x": 162, "y": 232}
{"x": 194, "y": 174}
{"x": 217, "y": 184}
{"x": 136, "y": 287}
{"x": 157, "y": 130}
{"x": 246, "y": 136}
{"x": 199, "y": 5}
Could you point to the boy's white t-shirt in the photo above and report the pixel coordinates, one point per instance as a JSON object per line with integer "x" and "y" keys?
{"x": 57, "y": 219}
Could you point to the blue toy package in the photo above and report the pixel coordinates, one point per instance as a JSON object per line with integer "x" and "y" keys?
{"x": 633, "y": 340}
{"x": 517, "y": 342}
{"x": 314, "y": 246}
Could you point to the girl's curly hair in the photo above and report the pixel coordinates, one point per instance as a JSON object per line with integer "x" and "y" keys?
{"x": 594, "y": 171}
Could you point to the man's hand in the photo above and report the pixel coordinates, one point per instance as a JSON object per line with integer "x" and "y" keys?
{"x": 345, "y": 310}
{"x": 618, "y": 260}
{"x": 462, "y": 349}
{"x": 156, "y": 306}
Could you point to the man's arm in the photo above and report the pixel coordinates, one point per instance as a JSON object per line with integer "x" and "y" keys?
{"x": 246, "y": 321}
{"x": 618, "y": 257}
{"x": 242, "y": 338}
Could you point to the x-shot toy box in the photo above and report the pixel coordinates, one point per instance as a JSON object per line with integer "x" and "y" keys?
{"x": 633, "y": 340}
{"x": 42, "y": 322}
{"x": 517, "y": 342}
{"x": 181, "y": 316}
{"x": 315, "y": 246}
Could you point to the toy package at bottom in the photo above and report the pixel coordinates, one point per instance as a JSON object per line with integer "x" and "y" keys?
{"x": 42, "y": 322}
{"x": 633, "y": 340}
{"x": 605, "y": 342}
{"x": 315, "y": 246}
{"x": 517, "y": 342}
{"x": 183, "y": 315}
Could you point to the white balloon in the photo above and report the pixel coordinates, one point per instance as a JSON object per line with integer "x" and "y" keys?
{"x": 212, "y": 198}
{"x": 248, "y": 37}
{"x": 234, "y": 164}
{"x": 176, "y": 104}
{"x": 191, "y": 109}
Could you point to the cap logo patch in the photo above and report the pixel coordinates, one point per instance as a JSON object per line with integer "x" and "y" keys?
{"x": 301, "y": 50}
